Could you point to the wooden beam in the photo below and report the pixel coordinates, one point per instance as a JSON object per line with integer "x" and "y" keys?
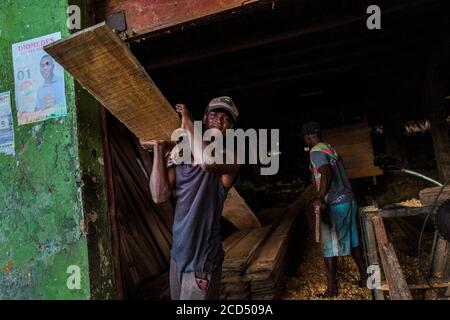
{"x": 236, "y": 210}
{"x": 439, "y": 257}
{"x": 435, "y": 283}
{"x": 112, "y": 209}
{"x": 101, "y": 62}
{"x": 370, "y": 248}
{"x": 394, "y": 276}
{"x": 428, "y": 195}
{"x": 151, "y": 17}
{"x": 404, "y": 211}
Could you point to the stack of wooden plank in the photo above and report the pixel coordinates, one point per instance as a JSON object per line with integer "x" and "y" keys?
{"x": 268, "y": 265}
{"x": 354, "y": 145}
{"x": 239, "y": 249}
{"x": 144, "y": 228}
{"x": 255, "y": 260}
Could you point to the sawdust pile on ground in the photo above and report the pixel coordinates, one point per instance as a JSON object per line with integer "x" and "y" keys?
{"x": 310, "y": 279}
{"x": 410, "y": 266}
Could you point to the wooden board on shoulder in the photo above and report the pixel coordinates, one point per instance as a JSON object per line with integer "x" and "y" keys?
{"x": 103, "y": 64}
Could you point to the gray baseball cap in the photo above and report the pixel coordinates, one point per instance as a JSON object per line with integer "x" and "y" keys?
{"x": 224, "y": 103}
{"x": 311, "y": 127}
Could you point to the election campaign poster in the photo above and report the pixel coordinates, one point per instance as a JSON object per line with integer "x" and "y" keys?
{"x": 39, "y": 81}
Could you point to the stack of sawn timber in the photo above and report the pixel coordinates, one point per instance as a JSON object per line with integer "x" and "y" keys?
{"x": 239, "y": 249}
{"x": 255, "y": 259}
{"x": 268, "y": 265}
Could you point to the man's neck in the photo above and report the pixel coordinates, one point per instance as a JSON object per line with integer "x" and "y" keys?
{"x": 49, "y": 79}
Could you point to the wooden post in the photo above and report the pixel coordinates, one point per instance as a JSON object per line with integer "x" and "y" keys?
{"x": 439, "y": 258}
{"x": 398, "y": 288}
{"x": 113, "y": 220}
{"x": 439, "y": 131}
{"x": 370, "y": 248}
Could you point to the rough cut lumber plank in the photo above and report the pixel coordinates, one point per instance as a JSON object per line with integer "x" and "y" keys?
{"x": 396, "y": 271}
{"x": 268, "y": 253}
{"x": 391, "y": 266}
{"x": 427, "y": 196}
{"x": 354, "y": 173}
{"x": 101, "y": 62}
{"x": 232, "y": 240}
{"x": 435, "y": 283}
{"x": 238, "y": 212}
{"x": 238, "y": 287}
{"x": 354, "y": 145}
{"x": 232, "y": 279}
{"x": 370, "y": 246}
{"x": 404, "y": 211}
{"x": 238, "y": 297}
{"x": 270, "y": 216}
{"x": 239, "y": 256}
{"x": 369, "y": 240}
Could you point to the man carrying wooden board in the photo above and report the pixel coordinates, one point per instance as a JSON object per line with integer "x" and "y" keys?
{"x": 200, "y": 190}
{"x": 336, "y": 205}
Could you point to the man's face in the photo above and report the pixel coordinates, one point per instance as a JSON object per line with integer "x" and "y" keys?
{"x": 46, "y": 68}
{"x": 220, "y": 120}
{"x": 308, "y": 140}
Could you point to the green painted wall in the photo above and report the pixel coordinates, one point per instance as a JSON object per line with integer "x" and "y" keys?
{"x": 48, "y": 214}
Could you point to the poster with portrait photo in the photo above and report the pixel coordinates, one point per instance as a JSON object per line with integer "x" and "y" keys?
{"x": 6, "y": 125}
{"x": 39, "y": 81}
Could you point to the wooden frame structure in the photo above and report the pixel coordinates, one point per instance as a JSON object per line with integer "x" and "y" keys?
{"x": 380, "y": 252}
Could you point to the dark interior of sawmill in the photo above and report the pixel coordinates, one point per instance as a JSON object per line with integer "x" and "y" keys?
{"x": 245, "y": 154}
{"x": 282, "y": 68}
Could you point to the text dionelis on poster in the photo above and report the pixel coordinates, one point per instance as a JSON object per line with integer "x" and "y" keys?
{"x": 39, "y": 81}
{"x": 6, "y": 125}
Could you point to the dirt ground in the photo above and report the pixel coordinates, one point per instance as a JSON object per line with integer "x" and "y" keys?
{"x": 310, "y": 279}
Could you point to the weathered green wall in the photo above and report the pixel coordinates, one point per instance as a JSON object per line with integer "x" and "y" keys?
{"x": 46, "y": 189}
{"x": 94, "y": 195}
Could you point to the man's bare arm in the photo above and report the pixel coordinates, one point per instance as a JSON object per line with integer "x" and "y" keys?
{"x": 160, "y": 186}
{"x": 325, "y": 181}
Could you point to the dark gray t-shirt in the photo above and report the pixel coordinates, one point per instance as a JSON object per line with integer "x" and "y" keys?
{"x": 197, "y": 244}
